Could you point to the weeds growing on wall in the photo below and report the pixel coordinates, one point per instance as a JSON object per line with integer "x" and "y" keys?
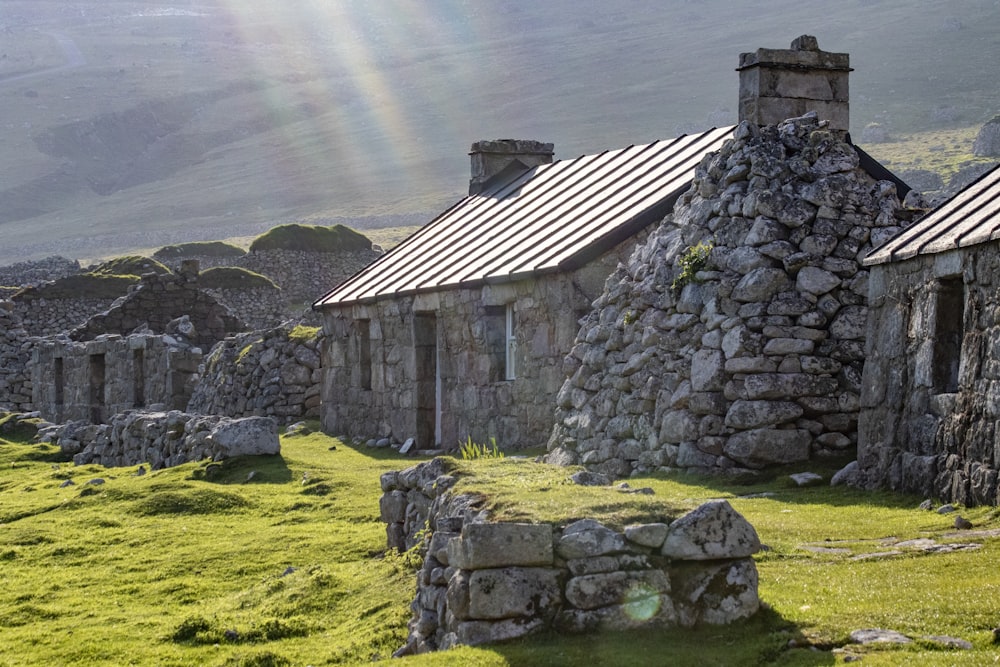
{"x": 691, "y": 262}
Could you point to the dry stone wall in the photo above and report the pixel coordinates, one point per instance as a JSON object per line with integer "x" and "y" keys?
{"x": 258, "y": 307}
{"x": 264, "y": 373}
{"x": 159, "y": 300}
{"x": 306, "y": 276}
{"x": 16, "y": 350}
{"x": 484, "y": 582}
{"x": 38, "y": 271}
{"x": 49, "y": 317}
{"x": 754, "y": 356}
{"x": 93, "y": 380}
{"x": 164, "y": 439}
{"x": 931, "y": 399}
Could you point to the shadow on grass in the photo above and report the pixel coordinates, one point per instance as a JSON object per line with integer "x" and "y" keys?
{"x": 777, "y": 483}
{"x": 245, "y": 470}
{"x": 761, "y": 640}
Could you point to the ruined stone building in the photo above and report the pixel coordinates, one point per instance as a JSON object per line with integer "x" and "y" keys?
{"x": 141, "y": 352}
{"x": 733, "y": 337}
{"x": 931, "y": 400}
{"x": 460, "y": 331}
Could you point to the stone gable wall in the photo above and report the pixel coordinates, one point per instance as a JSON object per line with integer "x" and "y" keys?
{"x": 262, "y": 373}
{"x": 484, "y": 582}
{"x": 916, "y": 435}
{"x": 757, "y": 359}
{"x": 159, "y": 300}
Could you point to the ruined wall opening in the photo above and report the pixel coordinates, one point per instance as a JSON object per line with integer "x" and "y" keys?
{"x": 139, "y": 378}
{"x": 511, "y": 339}
{"x": 949, "y": 327}
{"x": 428, "y": 380}
{"x": 98, "y": 371}
{"x": 365, "y": 353}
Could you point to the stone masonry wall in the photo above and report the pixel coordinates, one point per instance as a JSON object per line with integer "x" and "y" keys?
{"x": 157, "y": 301}
{"x": 306, "y": 276}
{"x": 15, "y": 354}
{"x": 476, "y": 399}
{"x": 919, "y": 433}
{"x": 164, "y": 439}
{"x": 48, "y": 317}
{"x": 484, "y": 582}
{"x": 38, "y": 271}
{"x": 94, "y": 380}
{"x": 258, "y": 308}
{"x": 264, "y": 373}
{"x": 757, "y": 358}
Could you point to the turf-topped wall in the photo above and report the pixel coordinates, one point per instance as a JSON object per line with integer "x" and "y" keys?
{"x": 484, "y": 582}
{"x": 34, "y": 272}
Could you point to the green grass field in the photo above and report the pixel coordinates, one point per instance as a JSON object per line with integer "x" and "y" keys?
{"x": 289, "y": 568}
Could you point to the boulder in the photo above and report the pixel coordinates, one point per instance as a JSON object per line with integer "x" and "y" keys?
{"x": 712, "y": 531}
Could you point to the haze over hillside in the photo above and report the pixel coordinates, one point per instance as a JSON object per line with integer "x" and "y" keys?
{"x": 133, "y": 124}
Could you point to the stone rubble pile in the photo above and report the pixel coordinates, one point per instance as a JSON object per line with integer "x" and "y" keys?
{"x": 163, "y": 439}
{"x": 754, "y": 356}
{"x": 265, "y": 373}
{"x": 484, "y": 582}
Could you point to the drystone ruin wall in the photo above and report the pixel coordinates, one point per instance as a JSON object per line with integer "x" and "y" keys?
{"x": 159, "y": 300}
{"x": 49, "y": 317}
{"x": 931, "y": 398}
{"x": 258, "y": 308}
{"x": 305, "y": 276}
{"x": 754, "y": 356}
{"x": 484, "y": 582}
{"x": 272, "y": 373}
{"x": 16, "y": 349}
{"x": 35, "y": 272}
{"x": 94, "y": 380}
{"x": 163, "y": 439}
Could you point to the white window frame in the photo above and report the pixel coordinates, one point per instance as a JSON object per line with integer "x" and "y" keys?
{"x": 511, "y": 345}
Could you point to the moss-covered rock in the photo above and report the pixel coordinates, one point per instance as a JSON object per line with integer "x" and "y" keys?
{"x": 130, "y": 265}
{"x": 232, "y": 277}
{"x": 311, "y": 238}
{"x": 83, "y": 286}
{"x": 198, "y": 249}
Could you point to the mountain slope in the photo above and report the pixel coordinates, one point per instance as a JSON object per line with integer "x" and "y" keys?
{"x": 131, "y": 124}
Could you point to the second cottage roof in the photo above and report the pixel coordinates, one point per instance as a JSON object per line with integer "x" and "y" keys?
{"x": 526, "y": 222}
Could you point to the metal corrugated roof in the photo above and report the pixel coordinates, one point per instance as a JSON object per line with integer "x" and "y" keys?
{"x": 554, "y": 217}
{"x": 970, "y": 217}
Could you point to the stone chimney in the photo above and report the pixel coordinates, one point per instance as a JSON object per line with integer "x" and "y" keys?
{"x": 489, "y": 158}
{"x": 776, "y": 84}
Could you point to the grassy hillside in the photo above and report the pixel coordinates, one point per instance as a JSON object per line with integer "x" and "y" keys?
{"x": 134, "y": 124}
{"x": 289, "y": 568}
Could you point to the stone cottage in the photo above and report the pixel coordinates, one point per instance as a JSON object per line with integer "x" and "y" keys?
{"x": 930, "y": 403}
{"x": 460, "y": 332}
{"x": 733, "y": 337}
